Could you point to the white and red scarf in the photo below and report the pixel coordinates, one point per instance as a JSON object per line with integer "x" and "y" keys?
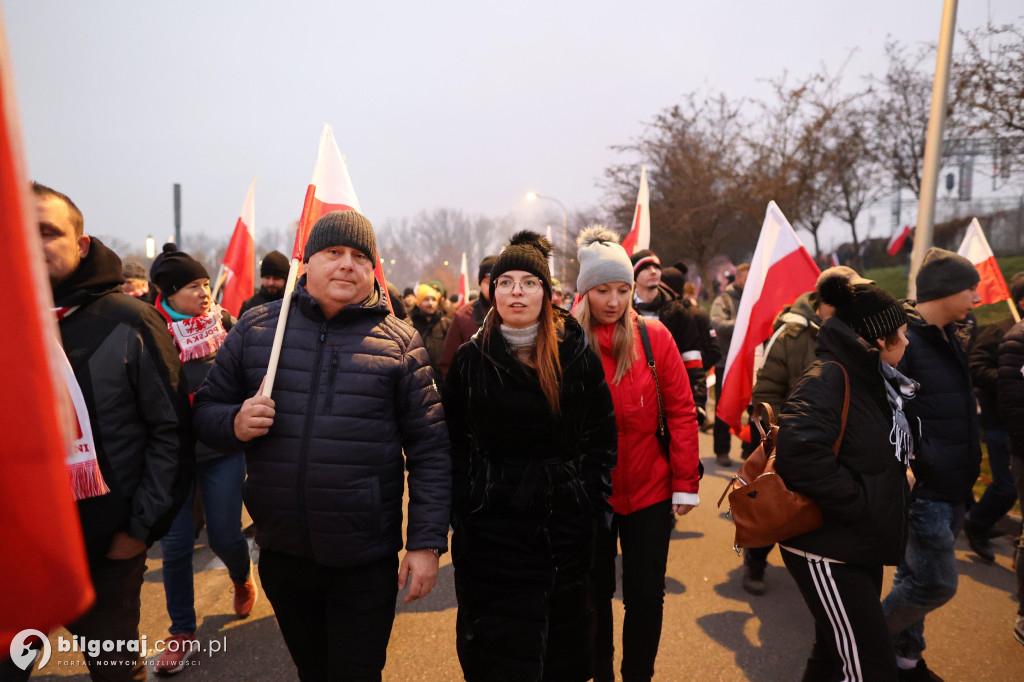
{"x": 82, "y": 466}
{"x": 198, "y": 336}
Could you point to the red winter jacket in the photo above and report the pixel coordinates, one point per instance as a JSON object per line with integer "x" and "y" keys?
{"x": 642, "y": 476}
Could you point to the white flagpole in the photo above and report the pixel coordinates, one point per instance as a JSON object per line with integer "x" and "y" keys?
{"x": 286, "y": 304}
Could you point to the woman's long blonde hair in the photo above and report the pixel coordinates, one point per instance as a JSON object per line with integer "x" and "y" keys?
{"x": 623, "y": 339}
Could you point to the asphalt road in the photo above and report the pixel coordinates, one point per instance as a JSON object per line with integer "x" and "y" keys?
{"x": 713, "y": 630}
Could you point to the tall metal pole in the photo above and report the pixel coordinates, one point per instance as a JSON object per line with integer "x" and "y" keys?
{"x": 933, "y": 146}
{"x": 177, "y": 214}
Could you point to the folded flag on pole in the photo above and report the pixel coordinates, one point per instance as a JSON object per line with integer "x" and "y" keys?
{"x": 992, "y": 287}
{"x": 240, "y": 258}
{"x": 639, "y": 237}
{"x": 330, "y": 189}
{"x": 780, "y": 271}
{"x": 463, "y": 283}
{"x": 898, "y": 240}
{"x": 44, "y": 577}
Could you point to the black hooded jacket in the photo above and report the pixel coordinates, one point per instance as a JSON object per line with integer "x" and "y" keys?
{"x": 863, "y": 494}
{"x": 1010, "y": 386}
{"x": 132, "y": 382}
{"x": 261, "y": 297}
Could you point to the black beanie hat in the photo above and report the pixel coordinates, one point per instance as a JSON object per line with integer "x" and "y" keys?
{"x": 274, "y": 264}
{"x": 485, "y": 268}
{"x": 527, "y": 251}
{"x": 644, "y": 259}
{"x": 342, "y": 228}
{"x": 944, "y": 273}
{"x": 169, "y": 247}
{"x": 133, "y": 270}
{"x": 175, "y": 270}
{"x": 868, "y": 309}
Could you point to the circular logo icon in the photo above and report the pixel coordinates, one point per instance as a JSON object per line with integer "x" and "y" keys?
{"x": 24, "y": 655}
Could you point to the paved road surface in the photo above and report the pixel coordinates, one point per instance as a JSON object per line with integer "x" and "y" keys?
{"x": 713, "y": 629}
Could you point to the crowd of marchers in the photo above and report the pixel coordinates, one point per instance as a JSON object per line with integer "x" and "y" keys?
{"x": 547, "y": 435}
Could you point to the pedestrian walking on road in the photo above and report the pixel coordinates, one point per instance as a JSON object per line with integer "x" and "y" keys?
{"x": 723, "y": 317}
{"x": 863, "y": 492}
{"x": 1011, "y": 407}
{"x": 649, "y": 484}
{"x": 199, "y": 327}
{"x": 533, "y": 445}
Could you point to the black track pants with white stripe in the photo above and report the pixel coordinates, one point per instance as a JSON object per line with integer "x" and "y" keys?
{"x": 851, "y": 640}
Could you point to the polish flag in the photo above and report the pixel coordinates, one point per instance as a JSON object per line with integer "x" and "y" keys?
{"x": 639, "y": 237}
{"x": 780, "y": 271}
{"x": 463, "y": 283}
{"x": 897, "y": 241}
{"x": 240, "y": 258}
{"x": 975, "y": 248}
{"x": 44, "y": 577}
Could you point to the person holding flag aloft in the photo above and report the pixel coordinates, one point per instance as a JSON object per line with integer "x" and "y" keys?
{"x": 354, "y": 406}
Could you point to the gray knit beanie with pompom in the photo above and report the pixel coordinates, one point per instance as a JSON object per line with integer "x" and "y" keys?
{"x": 602, "y": 259}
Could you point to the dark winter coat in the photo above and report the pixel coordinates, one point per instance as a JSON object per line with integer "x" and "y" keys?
{"x": 723, "y": 317}
{"x": 950, "y": 457}
{"x": 789, "y": 353}
{"x": 351, "y": 392}
{"x": 466, "y": 321}
{"x": 1011, "y": 386}
{"x": 863, "y": 494}
{"x": 983, "y": 360}
{"x": 529, "y": 489}
{"x": 131, "y": 379}
{"x": 261, "y": 297}
{"x": 432, "y": 329}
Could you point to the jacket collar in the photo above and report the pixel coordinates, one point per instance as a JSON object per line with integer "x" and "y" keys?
{"x": 375, "y": 304}
{"x": 98, "y": 274}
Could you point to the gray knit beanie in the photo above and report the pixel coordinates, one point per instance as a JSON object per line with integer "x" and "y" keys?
{"x": 944, "y": 273}
{"x": 342, "y": 228}
{"x": 602, "y": 259}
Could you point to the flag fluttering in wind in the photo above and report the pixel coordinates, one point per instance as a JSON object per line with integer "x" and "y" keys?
{"x": 463, "y": 283}
{"x": 780, "y": 271}
{"x": 992, "y": 287}
{"x": 239, "y": 276}
{"x": 44, "y": 577}
{"x": 898, "y": 240}
{"x": 330, "y": 189}
{"x": 639, "y": 237}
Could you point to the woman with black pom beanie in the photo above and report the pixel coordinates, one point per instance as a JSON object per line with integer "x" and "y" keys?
{"x": 864, "y": 491}
{"x": 533, "y": 446}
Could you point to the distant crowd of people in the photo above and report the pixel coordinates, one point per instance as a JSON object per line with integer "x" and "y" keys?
{"x": 548, "y": 434}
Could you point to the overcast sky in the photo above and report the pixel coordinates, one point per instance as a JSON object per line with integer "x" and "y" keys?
{"x": 445, "y": 104}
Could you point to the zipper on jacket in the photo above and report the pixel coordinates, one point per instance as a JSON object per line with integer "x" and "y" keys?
{"x": 304, "y": 445}
{"x": 330, "y": 379}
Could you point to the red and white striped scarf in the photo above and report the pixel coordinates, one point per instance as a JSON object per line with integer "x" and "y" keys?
{"x": 82, "y": 466}
{"x": 198, "y": 336}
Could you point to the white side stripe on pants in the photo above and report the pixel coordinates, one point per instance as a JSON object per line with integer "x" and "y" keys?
{"x": 828, "y": 593}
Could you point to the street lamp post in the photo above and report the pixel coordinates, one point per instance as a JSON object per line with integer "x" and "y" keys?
{"x": 533, "y": 196}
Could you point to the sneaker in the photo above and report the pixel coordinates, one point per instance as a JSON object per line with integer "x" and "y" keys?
{"x": 979, "y": 542}
{"x": 920, "y": 673}
{"x": 753, "y": 577}
{"x": 178, "y": 650}
{"x": 1018, "y": 631}
{"x": 723, "y": 460}
{"x": 245, "y": 596}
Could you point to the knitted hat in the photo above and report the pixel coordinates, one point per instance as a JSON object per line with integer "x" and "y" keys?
{"x": 867, "y": 308}
{"x": 527, "y": 251}
{"x": 1017, "y": 287}
{"x": 274, "y": 264}
{"x": 424, "y": 290}
{"x": 674, "y": 277}
{"x": 556, "y": 285}
{"x": 175, "y": 270}
{"x": 602, "y": 259}
{"x": 169, "y": 247}
{"x": 342, "y": 228}
{"x": 944, "y": 273}
{"x": 846, "y": 271}
{"x": 644, "y": 259}
{"x": 485, "y": 268}
{"x": 133, "y": 270}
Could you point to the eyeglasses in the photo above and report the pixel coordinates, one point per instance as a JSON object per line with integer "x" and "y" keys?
{"x": 528, "y": 285}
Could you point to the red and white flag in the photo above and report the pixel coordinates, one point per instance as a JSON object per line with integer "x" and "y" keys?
{"x": 780, "y": 271}
{"x": 898, "y": 240}
{"x": 639, "y": 237}
{"x": 463, "y": 283}
{"x": 975, "y": 248}
{"x": 834, "y": 260}
{"x": 240, "y": 258}
{"x": 44, "y": 577}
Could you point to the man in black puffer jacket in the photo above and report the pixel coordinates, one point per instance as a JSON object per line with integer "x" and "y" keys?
{"x": 326, "y": 472}
{"x": 950, "y": 455}
{"x": 131, "y": 381}
{"x": 1011, "y": 408}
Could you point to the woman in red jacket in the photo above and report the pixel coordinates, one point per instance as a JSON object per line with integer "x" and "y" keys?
{"x": 649, "y": 485}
